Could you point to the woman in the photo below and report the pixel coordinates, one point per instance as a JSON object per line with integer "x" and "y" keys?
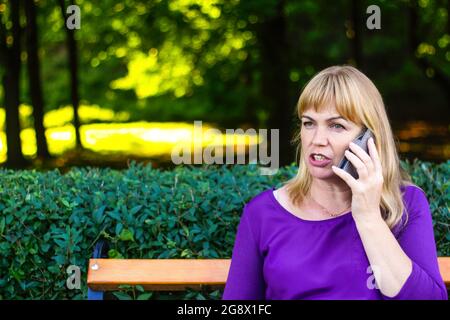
{"x": 327, "y": 235}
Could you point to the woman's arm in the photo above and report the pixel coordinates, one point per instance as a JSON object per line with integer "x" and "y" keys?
{"x": 404, "y": 269}
{"x": 245, "y": 279}
{"x": 407, "y": 268}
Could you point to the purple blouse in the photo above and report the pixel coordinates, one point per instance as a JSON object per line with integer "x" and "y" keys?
{"x": 280, "y": 256}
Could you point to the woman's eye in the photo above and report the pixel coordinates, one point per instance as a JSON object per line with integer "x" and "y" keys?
{"x": 337, "y": 126}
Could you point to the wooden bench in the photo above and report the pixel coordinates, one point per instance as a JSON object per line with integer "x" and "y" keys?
{"x": 173, "y": 274}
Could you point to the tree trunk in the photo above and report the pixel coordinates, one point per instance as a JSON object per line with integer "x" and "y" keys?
{"x": 73, "y": 66}
{"x": 356, "y": 22}
{"x": 247, "y": 82}
{"x": 34, "y": 80}
{"x": 11, "y": 83}
{"x": 272, "y": 38}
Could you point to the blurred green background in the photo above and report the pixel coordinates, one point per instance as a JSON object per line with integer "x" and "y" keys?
{"x": 140, "y": 72}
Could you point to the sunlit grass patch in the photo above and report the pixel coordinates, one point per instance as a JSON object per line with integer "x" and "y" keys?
{"x": 145, "y": 139}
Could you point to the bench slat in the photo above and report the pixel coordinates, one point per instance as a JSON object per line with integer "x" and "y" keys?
{"x": 444, "y": 268}
{"x": 176, "y": 274}
{"x": 158, "y": 274}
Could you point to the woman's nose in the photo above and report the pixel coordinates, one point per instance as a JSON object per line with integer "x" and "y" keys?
{"x": 320, "y": 137}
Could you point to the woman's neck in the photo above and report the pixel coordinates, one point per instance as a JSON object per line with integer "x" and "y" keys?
{"x": 330, "y": 192}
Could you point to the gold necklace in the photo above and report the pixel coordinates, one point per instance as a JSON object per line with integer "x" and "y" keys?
{"x": 327, "y": 211}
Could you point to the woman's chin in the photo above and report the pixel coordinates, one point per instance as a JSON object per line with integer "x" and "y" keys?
{"x": 321, "y": 173}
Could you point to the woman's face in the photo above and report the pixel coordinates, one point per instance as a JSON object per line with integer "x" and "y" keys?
{"x": 325, "y": 135}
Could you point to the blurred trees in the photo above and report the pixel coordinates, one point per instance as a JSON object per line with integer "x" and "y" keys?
{"x": 34, "y": 78}
{"x": 10, "y": 53}
{"x": 235, "y": 63}
{"x": 72, "y": 52}
{"x": 435, "y": 28}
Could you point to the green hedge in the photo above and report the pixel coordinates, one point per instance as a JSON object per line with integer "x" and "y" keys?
{"x": 51, "y": 220}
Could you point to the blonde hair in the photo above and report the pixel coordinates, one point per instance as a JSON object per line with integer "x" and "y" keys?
{"x": 357, "y": 99}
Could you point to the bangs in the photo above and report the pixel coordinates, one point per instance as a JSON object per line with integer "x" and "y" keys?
{"x": 326, "y": 89}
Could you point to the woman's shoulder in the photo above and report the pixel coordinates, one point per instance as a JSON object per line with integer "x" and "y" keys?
{"x": 415, "y": 201}
{"x": 408, "y": 185}
{"x": 412, "y": 192}
{"x": 259, "y": 205}
{"x": 256, "y": 211}
{"x": 260, "y": 200}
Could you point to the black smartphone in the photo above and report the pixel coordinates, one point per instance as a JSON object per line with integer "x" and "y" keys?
{"x": 361, "y": 140}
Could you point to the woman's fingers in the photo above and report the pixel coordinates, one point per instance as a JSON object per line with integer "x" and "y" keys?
{"x": 357, "y": 163}
{"x": 365, "y": 158}
{"x": 374, "y": 155}
{"x": 344, "y": 176}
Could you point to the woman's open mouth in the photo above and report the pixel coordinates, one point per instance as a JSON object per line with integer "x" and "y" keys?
{"x": 319, "y": 160}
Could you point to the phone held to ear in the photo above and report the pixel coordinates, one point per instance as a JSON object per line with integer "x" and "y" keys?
{"x": 361, "y": 140}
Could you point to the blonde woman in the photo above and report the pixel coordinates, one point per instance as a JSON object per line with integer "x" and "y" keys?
{"x": 326, "y": 234}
